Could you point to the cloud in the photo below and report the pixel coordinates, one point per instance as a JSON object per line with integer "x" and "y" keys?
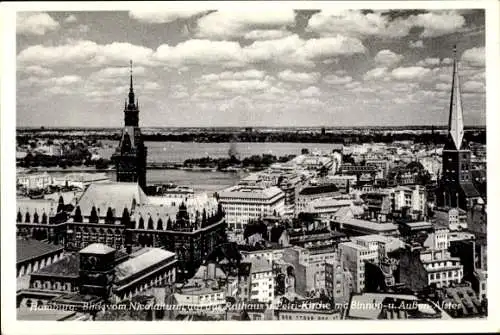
{"x": 429, "y": 62}
{"x": 387, "y": 58}
{"x": 480, "y": 76}
{"x": 311, "y": 91}
{"x": 337, "y": 80}
{"x": 150, "y": 86}
{"x": 376, "y": 73}
{"x": 443, "y": 87}
{"x": 404, "y": 87}
{"x": 416, "y": 44}
{"x": 85, "y": 53}
{"x": 410, "y": 73}
{"x": 111, "y": 73}
{"x": 474, "y": 57}
{"x": 70, "y": 19}
{"x": 266, "y": 34}
{"x": 229, "y": 75}
{"x": 299, "y": 77}
{"x": 55, "y": 81}
{"x": 291, "y": 50}
{"x": 355, "y": 23}
{"x": 201, "y": 52}
{"x": 473, "y": 87}
{"x": 163, "y": 16}
{"x": 29, "y": 23}
{"x": 36, "y": 70}
{"x": 224, "y": 24}
{"x": 359, "y": 24}
{"x": 438, "y": 23}
{"x": 432, "y": 62}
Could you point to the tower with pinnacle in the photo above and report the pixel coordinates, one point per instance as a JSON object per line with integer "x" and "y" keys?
{"x": 456, "y": 188}
{"x": 130, "y": 155}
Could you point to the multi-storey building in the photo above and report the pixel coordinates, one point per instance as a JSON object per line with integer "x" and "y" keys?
{"x": 326, "y": 208}
{"x": 34, "y": 181}
{"x": 246, "y": 203}
{"x": 338, "y": 280}
{"x": 420, "y": 268}
{"x": 309, "y": 267}
{"x": 354, "y": 257}
{"x": 453, "y": 218}
{"x": 409, "y": 200}
{"x": 261, "y": 281}
{"x": 310, "y": 193}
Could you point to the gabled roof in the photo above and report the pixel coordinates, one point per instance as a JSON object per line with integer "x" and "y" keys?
{"x": 97, "y": 248}
{"x": 141, "y": 262}
{"x": 39, "y": 205}
{"x": 28, "y": 249}
{"x": 114, "y": 195}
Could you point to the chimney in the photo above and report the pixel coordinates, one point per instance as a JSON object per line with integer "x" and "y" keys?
{"x": 211, "y": 271}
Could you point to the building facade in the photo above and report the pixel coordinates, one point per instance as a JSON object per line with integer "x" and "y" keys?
{"x": 246, "y": 203}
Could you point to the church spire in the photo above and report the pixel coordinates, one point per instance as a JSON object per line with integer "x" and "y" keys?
{"x": 455, "y": 122}
{"x": 131, "y": 91}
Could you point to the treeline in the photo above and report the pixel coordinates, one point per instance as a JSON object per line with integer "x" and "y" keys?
{"x": 478, "y": 136}
{"x": 255, "y": 161}
{"x": 41, "y": 160}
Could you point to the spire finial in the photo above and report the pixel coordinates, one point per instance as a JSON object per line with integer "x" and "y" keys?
{"x": 455, "y": 122}
{"x": 131, "y": 92}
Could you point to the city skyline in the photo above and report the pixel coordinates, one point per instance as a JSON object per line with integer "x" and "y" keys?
{"x": 283, "y": 69}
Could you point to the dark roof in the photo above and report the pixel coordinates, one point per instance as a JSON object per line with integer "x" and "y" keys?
{"x": 68, "y": 266}
{"x": 29, "y": 249}
{"x": 469, "y": 190}
{"x": 319, "y": 189}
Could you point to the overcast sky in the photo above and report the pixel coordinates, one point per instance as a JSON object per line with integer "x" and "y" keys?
{"x": 261, "y": 68}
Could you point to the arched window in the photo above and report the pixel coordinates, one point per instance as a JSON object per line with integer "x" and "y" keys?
{"x": 44, "y": 218}
{"x": 35, "y": 217}
{"x": 19, "y": 216}
{"x": 27, "y": 218}
{"x": 160, "y": 224}
{"x": 28, "y": 303}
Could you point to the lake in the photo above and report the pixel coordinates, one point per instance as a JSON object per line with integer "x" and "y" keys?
{"x": 160, "y": 152}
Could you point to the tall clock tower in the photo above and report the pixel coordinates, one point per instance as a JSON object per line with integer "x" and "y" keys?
{"x": 130, "y": 155}
{"x": 97, "y": 266}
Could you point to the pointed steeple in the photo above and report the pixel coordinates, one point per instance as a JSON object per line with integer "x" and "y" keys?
{"x": 131, "y": 96}
{"x": 455, "y": 122}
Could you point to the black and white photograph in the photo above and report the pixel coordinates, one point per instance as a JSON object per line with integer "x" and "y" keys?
{"x": 215, "y": 162}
